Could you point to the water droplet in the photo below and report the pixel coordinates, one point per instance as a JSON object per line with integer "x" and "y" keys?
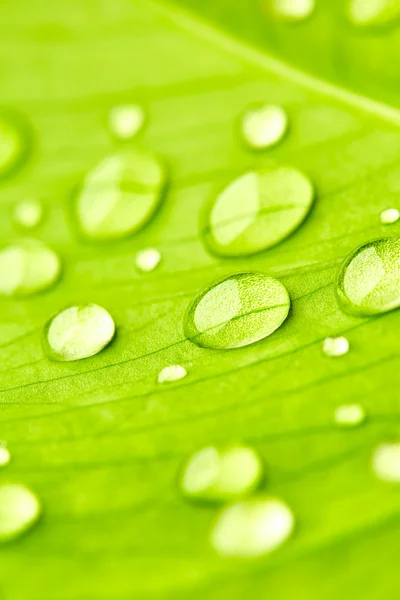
{"x": 120, "y": 195}
{"x": 335, "y": 346}
{"x": 147, "y": 260}
{"x": 349, "y": 415}
{"x": 28, "y": 267}
{"x": 19, "y": 510}
{"x": 252, "y": 527}
{"x": 171, "y": 373}
{"x": 13, "y": 144}
{"x": 79, "y": 332}
{"x": 5, "y": 455}
{"x": 389, "y": 216}
{"x": 369, "y": 281}
{"x": 257, "y": 211}
{"x": 363, "y": 13}
{"x": 264, "y": 126}
{"x": 386, "y": 462}
{"x": 28, "y": 213}
{"x": 221, "y": 474}
{"x": 293, "y": 10}
{"x": 126, "y": 120}
{"x": 237, "y": 311}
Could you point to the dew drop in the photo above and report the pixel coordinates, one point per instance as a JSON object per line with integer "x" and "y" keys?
{"x": 252, "y": 527}
{"x": 389, "y": 216}
{"x": 264, "y": 126}
{"x": 120, "y": 195}
{"x": 28, "y": 267}
{"x": 78, "y": 332}
{"x": 126, "y": 120}
{"x": 28, "y": 213}
{"x": 369, "y": 280}
{"x": 366, "y": 13}
{"x": 147, "y": 260}
{"x": 221, "y": 474}
{"x": 171, "y": 373}
{"x": 13, "y": 145}
{"x": 349, "y": 415}
{"x": 386, "y": 462}
{"x": 237, "y": 311}
{"x": 19, "y": 510}
{"x": 293, "y": 10}
{"x": 335, "y": 346}
{"x": 257, "y": 211}
{"x": 5, "y": 455}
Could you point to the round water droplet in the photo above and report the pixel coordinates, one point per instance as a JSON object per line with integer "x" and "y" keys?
{"x": 147, "y": 260}
{"x": 237, "y": 311}
{"x": 264, "y": 126}
{"x": 386, "y": 462}
{"x": 349, "y": 415}
{"x": 335, "y": 346}
{"x": 389, "y": 216}
{"x": 5, "y": 455}
{"x": 252, "y": 527}
{"x": 369, "y": 280}
{"x": 79, "y": 332}
{"x": 369, "y": 13}
{"x": 171, "y": 373}
{"x": 257, "y": 211}
{"x": 120, "y": 195}
{"x": 126, "y": 120}
{"x": 292, "y": 10}
{"x": 221, "y": 474}
{"x": 28, "y": 213}
{"x": 28, "y": 267}
{"x": 14, "y": 144}
{"x": 19, "y": 510}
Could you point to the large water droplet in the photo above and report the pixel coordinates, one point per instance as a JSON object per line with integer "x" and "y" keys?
{"x": 257, "y": 211}
{"x": 79, "y": 332}
{"x": 292, "y": 10}
{"x": 386, "y": 462}
{"x": 13, "y": 144}
{"x": 120, "y": 195}
{"x": 264, "y": 126}
{"x": 221, "y": 474}
{"x": 237, "y": 311}
{"x": 28, "y": 213}
{"x": 27, "y": 267}
{"x": 252, "y": 528}
{"x": 365, "y": 13}
{"x": 19, "y": 510}
{"x": 126, "y": 120}
{"x": 369, "y": 281}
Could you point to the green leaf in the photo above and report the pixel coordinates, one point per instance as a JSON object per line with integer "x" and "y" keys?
{"x": 99, "y": 440}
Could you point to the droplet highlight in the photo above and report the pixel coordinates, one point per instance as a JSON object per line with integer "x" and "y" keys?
{"x": 147, "y": 260}
{"x": 264, "y": 126}
{"x": 220, "y": 474}
{"x": 349, "y": 415}
{"x": 389, "y": 216}
{"x": 386, "y": 462}
{"x": 28, "y": 213}
{"x": 370, "y": 13}
{"x": 120, "y": 195}
{"x": 19, "y": 510}
{"x": 79, "y": 332}
{"x": 257, "y": 211}
{"x": 252, "y": 527}
{"x": 237, "y": 311}
{"x": 292, "y": 10}
{"x": 126, "y": 120}
{"x": 335, "y": 346}
{"x": 171, "y": 373}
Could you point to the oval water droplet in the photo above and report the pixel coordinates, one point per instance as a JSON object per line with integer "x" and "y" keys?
{"x": 370, "y": 13}
{"x": 171, "y": 373}
{"x": 237, "y": 311}
{"x": 148, "y": 259}
{"x": 349, "y": 415}
{"x": 5, "y": 455}
{"x": 126, "y": 120}
{"x": 28, "y": 267}
{"x": 386, "y": 462}
{"x": 252, "y": 527}
{"x": 369, "y": 280}
{"x": 78, "y": 332}
{"x": 264, "y": 126}
{"x": 19, "y": 510}
{"x": 28, "y": 213}
{"x": 291, "y": 10}
{"x": 14, "y": 144}
{"x": 389, "y": 216}
{"x": 220, "y": 474}
{"x": 335, "y": 346}
{"x": 120, "y": 195}
{"x": 257, "y": 211}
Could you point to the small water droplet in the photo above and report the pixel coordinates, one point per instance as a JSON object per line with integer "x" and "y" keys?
{"x": 335, "y": 346}
{"x": 147, "y": 260}
{"x": 349, "y": 415}
{"x": 386, "y": 462}
{"x": 293, "y": 10}
{"x": 264, "y": 126}
{"x": 19, "y": 510}
{"x": 5, "y": 455}
{"x": 221, "y": 474}
{"x": 120, "y": 195}
{"x": 79, "y": 332}
{"x": 126, "y": 120}
{"x": 363, "y": 13}
{"x": 237, "y": 311}
{"x": 13, "y": 144}
{"x": 369, "y": 280}
{"x": 171, "y": 373}
{"x": 257, "y": 211}
{"x": 389, "y": 216}
{"x": 28, "y": 267}
{"x": 28, "y": 213}
{"x": 252, "y": 527}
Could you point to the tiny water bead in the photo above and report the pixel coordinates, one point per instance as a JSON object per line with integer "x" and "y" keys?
{"x": 126, "y": 120}
{"x": 389, "y": 216}
{"x": 335, "y": 346}
{"x": 171, "y": 373}
{"x": 369, "y": 280}
{"x": 222, "y": 474}
{"x": 257, "y": 211}
{"x": 237, "y": 311}
{"x": 19, "y": 510}
{"x": 28, "y": 267}
{"x": 369, "y": 13}
{"x": 5, "y": 456}
{"x": 293, "y": 10}
{"x": 252, "y": 527}
{"x": 120, "y": 195}
{"x": 13, "y": 144}
{"x": 147, "y": 260}
{"x": 28, "y": 213}
{"x": 79, "y": 332}
{"x": 264, "y": 126}
{"x": 349, "y": 415}
{"x": 386, "y": 462}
